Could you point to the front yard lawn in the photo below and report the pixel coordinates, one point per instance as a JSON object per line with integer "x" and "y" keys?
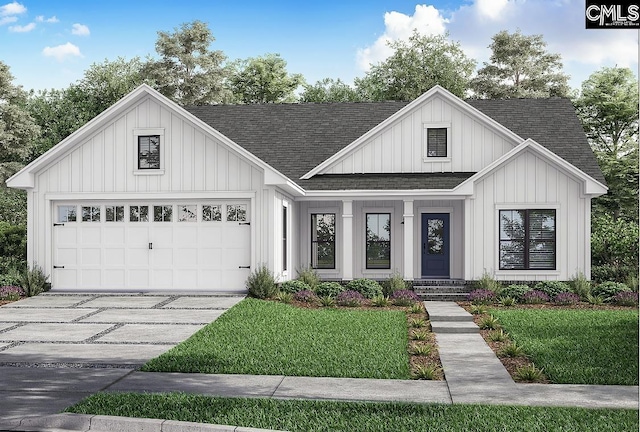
{"x": 300, "y": 415}
{"x": 577, "y": 346}
{"x": 267, "y": 338}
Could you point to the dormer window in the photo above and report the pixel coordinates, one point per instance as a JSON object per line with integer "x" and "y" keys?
{"x": 149, "y": 149}
{"x": 436, "y": 142}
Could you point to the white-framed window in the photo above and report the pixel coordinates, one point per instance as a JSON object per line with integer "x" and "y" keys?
{"x": 211, "y": 213}
{"x": 187, "y": 213}
{"x": 148, "y": 151}
{"x": 139, "y": 213}
{"x": 527, "y": 239}
{"x": 90, "y": 214}
{"x": 323, "y": 240}
{"x": 378, "y": 240}
{"x": 236, "y": 213}
{"x": 285, "y": 229}
{"x": 67, "y": 213}
{"x": 114, "y": 213}
{"x": 436, "y": 142}
{"x": 162, "y": 213}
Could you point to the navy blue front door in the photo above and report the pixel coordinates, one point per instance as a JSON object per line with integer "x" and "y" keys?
{"x": 435, "y": 245}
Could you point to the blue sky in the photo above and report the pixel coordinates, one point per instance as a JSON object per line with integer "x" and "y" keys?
{"x": 49, "y": 44}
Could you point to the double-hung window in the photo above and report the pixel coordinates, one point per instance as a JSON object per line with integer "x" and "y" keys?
{"x": 323, "y": 241}
{"x": 378, "y": 240}
{"x": 528, "y": 239}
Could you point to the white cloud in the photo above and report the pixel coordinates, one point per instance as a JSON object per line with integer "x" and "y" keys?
{"x": 41, "y": 18}
{"x": 560, "y": 22}
{"x": 80, "y": 30}
{"x": 426, "y": 19}
{"x": 61, "y": 52}
{"x": 14, "y": 8}
{"x": 8, "y": 19}
{"x": 22, "y": 29}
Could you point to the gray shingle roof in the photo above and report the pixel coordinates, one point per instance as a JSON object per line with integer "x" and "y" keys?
{"x": 295, "y": 138}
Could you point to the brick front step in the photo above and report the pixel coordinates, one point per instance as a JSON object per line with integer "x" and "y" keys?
{"x": 443, "y": 296}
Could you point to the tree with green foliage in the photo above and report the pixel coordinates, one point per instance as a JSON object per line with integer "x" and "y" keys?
{"x": 415, "y": 66}
{"x": 330, "y": 90}
{"x": 61, "y": 112}
{"x": 188, "y": 72}
{"x": 608, "y": 109}
{"x": 264, "y": 80}
{"x": 520, "y": 67}
{"x": 17, "y": 127}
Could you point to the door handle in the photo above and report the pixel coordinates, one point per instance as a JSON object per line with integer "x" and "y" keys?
{"x": 244, "y": 267}
{"x": 57, "y": 267}
{"x": 150, "y": 245}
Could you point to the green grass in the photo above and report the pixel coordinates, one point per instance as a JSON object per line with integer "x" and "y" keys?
{"x": 577, "y": 346}
{"x": 268, "y": 338}
{"x": 317, "y": 416}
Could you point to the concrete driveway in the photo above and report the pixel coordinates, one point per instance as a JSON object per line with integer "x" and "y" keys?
{"x": 56, "y": 349}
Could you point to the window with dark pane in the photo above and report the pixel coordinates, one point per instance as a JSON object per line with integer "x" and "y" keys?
{"x": 378, "y": 240}
{"x": 527, "y": 239}
{"x": 90, "y": 214}
{"x": 114, "y": 213}
{"x": 139, "y": 213}
{"x": 437, "y": 142}
{"x": 162, "y": 213}
{"x": 149, "y": 152}
{"x": 323, "y": 240}
{"x": 211, "y": 213}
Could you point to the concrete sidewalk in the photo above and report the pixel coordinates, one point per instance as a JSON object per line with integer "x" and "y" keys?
{"x": 473, "y": 372}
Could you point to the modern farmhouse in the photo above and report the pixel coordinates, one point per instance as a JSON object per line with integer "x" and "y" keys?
{"x": 153, "y": 196}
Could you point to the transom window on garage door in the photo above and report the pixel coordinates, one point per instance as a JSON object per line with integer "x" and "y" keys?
{"x": 153, "y": 213}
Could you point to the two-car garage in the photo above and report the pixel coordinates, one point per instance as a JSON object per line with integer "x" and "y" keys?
{"x": 151, "y": 245}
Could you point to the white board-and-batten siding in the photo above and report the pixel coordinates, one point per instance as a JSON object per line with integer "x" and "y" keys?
{"x": 196, "y": 164}
{"x": 529, "y": 182}
{"x": 400, "y": 147}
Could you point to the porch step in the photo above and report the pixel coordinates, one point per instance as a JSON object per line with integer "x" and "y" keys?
{"x": 457, "y": 327}
{"x": 443, "y": 290}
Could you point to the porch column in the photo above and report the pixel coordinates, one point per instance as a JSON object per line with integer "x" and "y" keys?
{"x": 347, "y": 240}
{"x": 407, "y": 220}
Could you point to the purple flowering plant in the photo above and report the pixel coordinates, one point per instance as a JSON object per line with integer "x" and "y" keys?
{"x": 535, "y": 297}
{"x": 625, "y": 298}
{"x": 306, "y": 296}
{"x": 566, "y": 299}
{"x": 482, "y": 297}
{"x": 11, "y": 292}
{"x": 350, "y": 298}
{"x": 404, "y": 298}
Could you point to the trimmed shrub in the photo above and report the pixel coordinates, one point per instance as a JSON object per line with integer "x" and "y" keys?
{"x": 332, "y": 289}
{"x": 515, "y": 291}
{"x": 309, "y": 276}
{"x": 293, "y": 286}
{"x": 552, "y": 288}
{"x": 608, "y": 290}
{"x": 606, "y": 272}
{"x": 566, "y": 299}
{"x": 482, "y": 297}
{"x": 404, "y": 298}
{"x": 367, "y": 287}
{"x": 306, "y": 296}
{"x": 349, "y": 298}
{"x": 261, "y": 283}
{"x": 535, "y": 297}
{"x": 13, "y": 241}
{"x": 625, "y": 298}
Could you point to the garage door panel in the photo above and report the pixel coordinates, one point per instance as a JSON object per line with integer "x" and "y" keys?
{"x": 202, "y": 253}
{"x": 91, "y": 257}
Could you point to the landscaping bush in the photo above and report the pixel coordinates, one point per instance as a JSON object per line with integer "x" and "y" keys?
{"x": 487, "y": 282}
{"x": 367, "y": 287}
{"x": 11, "y": 292}
{"x": 625, "y": 298}
{"x": 349, "y": 298}
{"x": 309, "y": 276}
{"x": 393, "y": 284}
{"x": 293, "y": 286}
{"x": 482, "y": 297}
{"x": 608, "y": 290}
{"x": 13, "y": 241}
{"x": 261, "y": 283}
{"x": 33, "y": 281}
{"x": 535, "y": 297}
{"x": 306, "y": 296}
{"x": 581, "y": 286}
{"x": 515, "y": 291}
{"x": 566, "y": 299}
{"x": 404, "y": 298}
{"x": 607, "y": 272}
{"x": 552, "y": 288}
{"x": 11, "y": 270}
{"x": 325, "y": 289}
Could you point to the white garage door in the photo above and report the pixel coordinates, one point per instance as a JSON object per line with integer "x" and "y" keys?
{"x": 152, "y": 246}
